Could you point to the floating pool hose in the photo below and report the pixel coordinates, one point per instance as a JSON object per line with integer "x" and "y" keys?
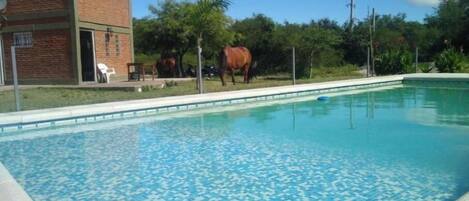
{"x": 323, "y": 98}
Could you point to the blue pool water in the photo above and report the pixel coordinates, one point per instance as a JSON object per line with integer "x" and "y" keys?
{"x": 406, "y": 143}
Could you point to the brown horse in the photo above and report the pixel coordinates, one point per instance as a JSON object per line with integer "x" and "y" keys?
{"x": 235, "y": 58}
{"x": 167, "y": 65}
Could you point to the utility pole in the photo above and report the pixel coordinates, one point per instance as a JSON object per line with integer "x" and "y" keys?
{"x": 352, "y": 8}
{"x": 372, "y": 33}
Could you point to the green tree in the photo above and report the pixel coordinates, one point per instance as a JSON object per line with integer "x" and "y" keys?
{"x": 256, "y": 34}
{"x": 177, "y": 27}
{"x": 171, "y": 29}
{"x": 208, "y": 21}
{"x": 451, "y": 19}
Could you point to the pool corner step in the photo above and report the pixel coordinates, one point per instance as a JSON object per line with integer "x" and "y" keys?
{"x": 465, "y": 197}
{"x": 10, "y": 190}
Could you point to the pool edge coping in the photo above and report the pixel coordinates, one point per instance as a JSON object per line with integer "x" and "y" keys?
{"x": 10, "y": 190}
{"x": 12, "y": 119}
{"x": 133, "y": 106}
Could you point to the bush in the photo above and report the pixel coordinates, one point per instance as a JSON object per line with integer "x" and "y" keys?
{"x": 426, "y": 67}
{"x": 394, "y": 62}
{"x": 450, "y": 61}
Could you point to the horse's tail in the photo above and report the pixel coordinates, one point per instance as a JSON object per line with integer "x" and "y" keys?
{"x": 222, "y": 65}
{"x": 221, "y": 61}
{"x": 252, "y": 72}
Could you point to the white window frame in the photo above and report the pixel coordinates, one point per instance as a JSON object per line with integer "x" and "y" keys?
{"x": 23, "y": 39}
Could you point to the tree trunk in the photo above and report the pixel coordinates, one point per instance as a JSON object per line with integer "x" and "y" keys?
{"x": 181, "y": 65}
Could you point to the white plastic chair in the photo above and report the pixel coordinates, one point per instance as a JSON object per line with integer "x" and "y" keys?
{"x": 106, "y": 71}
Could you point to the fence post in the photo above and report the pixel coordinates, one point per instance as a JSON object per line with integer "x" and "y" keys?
{"x": 15, "y": 79}
{"x": 368, "y": 62}
{"x": 294, "y": 65}
{"x": 199, "y": 71}
{"x": 416, "y": 59}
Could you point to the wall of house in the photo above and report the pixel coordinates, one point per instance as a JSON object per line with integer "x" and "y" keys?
{"x": 107, "y": 53}
{"x": 32, "y": 6}
{"x": 47, "y": 61}
{"x": 51, "y": 59}
{"x": 108, "y": 12}
{"x": 113, "y": 15}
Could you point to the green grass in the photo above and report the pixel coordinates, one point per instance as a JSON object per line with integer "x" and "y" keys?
{"x": 332, "y": 72}
{"x": 40, "y": 98}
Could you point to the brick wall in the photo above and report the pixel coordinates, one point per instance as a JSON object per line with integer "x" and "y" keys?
{"x": 109, "y": 12}
{"x": 32, "y": 6}
{"x": 110, "y": 56}
{"x": 48, "y": 61}
{"x": 39, "y": 21}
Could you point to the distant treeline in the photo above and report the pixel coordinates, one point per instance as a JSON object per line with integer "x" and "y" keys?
{"x": 321, "y": 43}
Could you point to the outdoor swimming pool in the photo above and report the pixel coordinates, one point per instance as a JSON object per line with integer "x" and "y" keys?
{"x": 407, "y": 142}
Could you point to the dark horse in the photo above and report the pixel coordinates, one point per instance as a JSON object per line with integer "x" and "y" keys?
{"x": 166, "y": 65}
{"x": 235, "y": 58}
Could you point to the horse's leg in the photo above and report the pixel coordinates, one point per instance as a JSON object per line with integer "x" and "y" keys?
{"x": 222, "y": 77}
{"x": 246, "y": 74}
{"x": 173, "y": 71}
{"x": 233, "y": 77}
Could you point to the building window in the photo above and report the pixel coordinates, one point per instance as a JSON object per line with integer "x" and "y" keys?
{"x": 107, "y": 48}
{"x": 23, "y": 40}
{"x": 107, "y": 40}
{"x": 118, "y": 46}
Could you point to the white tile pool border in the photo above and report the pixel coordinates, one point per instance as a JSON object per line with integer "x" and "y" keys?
{"x": 74, "y": 115}
{"x": 10, "y": 190}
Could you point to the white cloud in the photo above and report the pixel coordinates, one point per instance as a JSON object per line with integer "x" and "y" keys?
{"x": 425, "y": 2}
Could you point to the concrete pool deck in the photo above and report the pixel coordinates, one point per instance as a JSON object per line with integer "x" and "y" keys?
{"x": 10, "y": 190}
{"x": 465, "y": 197}
{"x": 44, "y": 115}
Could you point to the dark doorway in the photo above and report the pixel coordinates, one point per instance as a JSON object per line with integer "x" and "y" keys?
{"x": 87, "y": 56}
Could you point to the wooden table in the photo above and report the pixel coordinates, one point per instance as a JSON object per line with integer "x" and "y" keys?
{"x": 139, "y": 70}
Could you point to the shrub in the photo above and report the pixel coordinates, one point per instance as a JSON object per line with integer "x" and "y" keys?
{"x": 450, "y": 61}
{"x": 394, "y": 62}
{"x": 426, "y": 67}
{"x": 465, "y": 65}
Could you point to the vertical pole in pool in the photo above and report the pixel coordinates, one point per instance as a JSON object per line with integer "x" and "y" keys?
{"x": 15, "y": 79}
{"x": 416, "y": 59}
{"x": 199, "y": 71}
{"x": 294, "y": 66}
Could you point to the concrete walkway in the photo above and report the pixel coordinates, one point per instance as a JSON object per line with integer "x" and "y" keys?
{"x": 116, "y": 84}
{"x": 10, "y": 190}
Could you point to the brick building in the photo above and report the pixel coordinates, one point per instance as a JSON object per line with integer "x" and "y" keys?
{"x": 61, "y": 41}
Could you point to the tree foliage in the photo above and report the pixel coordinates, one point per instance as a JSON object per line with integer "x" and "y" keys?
{"x": 177, "y": 26}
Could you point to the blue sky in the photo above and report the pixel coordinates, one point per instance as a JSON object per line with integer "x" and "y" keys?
{"x": 305, "y": 10}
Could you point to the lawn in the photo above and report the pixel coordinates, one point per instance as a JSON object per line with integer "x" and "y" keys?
{"x": 40, "y": 98}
